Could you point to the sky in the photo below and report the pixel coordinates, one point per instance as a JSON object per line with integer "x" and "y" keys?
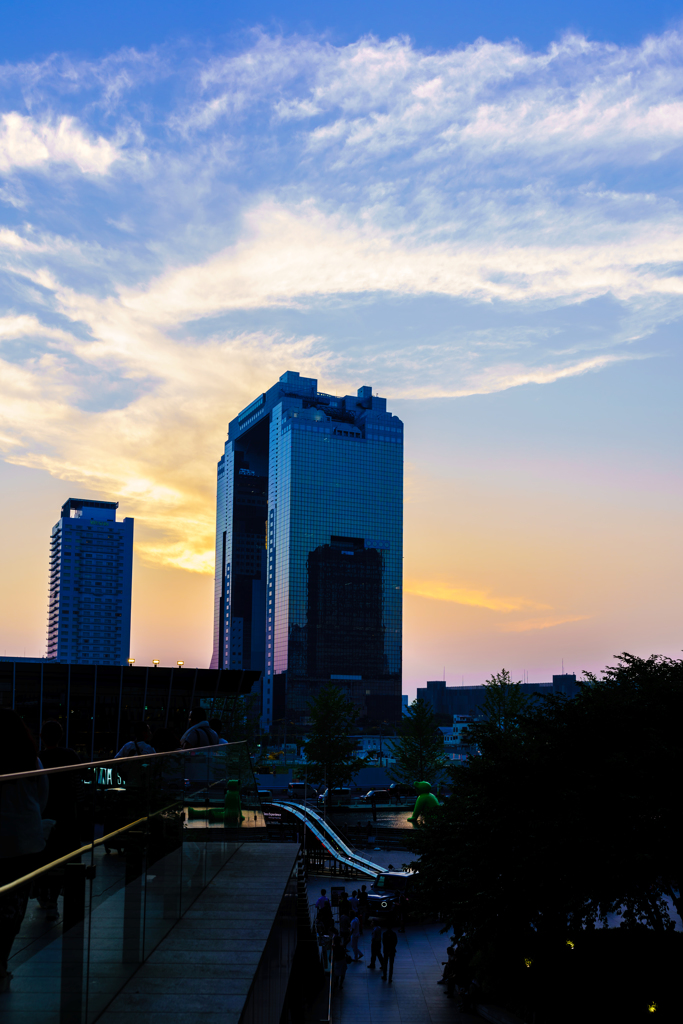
{"x": 476, "y": 212}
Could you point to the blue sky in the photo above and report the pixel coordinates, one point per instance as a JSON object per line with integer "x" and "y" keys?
{"x": 477, "y": 213}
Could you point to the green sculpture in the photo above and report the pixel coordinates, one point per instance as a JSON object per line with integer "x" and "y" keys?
{"x": 425, "y": 803}
{"x": 233, "y": 806}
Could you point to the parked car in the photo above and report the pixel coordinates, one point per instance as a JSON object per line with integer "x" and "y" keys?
{"x": 386, "y": 891}
{"x": 265, "y": 795}
{"x": 378, "y": 796}
{"x": 342, "y": 795}
{"x": 300, "y": 790}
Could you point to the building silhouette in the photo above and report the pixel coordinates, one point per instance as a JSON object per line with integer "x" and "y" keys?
{"x": 309, "y": 545}
{"x": 91, "y": 569}
{"x": 467, "y": 700}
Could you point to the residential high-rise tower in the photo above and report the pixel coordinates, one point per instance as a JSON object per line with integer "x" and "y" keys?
{"x": 91, "y": 571}
{"x": 309, "y": 549}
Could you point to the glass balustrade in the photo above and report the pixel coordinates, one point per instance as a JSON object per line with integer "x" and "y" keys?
{"x": 132, "y": 844}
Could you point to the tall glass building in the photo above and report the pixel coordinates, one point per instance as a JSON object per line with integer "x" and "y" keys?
{"x": 91, "y": 573}
{"x": 309, "y": 549}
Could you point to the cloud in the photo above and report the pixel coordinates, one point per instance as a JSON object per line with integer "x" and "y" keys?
{"x": 437, "y": 591}
{"x": 25, "y": 143}
{"x": 272, "y": 189}
{"x": 527, "y": 625}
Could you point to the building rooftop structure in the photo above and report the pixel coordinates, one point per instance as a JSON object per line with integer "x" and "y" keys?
{"x": 467, "y": 700}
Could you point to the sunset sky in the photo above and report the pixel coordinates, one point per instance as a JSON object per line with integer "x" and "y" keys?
{"x": 478, "y": 214}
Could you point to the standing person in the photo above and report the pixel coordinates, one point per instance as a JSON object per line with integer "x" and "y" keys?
{"x": 344, "y": 929}
{"x": 354, "y": 903}
{"x": 376, "y": 947}
{"x": 338, "y": 963}
{"x": 344, "y": 906}
{"x": 217, "y": 725}
{"x": 322, "y": 901}
{"x": 139, "y": 743}
{"x": 355, "y": 932}
{"x": 61, "y": 808}
{"x": 402, "y": 911}
{"x": 389, "y": 943}
{"x": 200, "y": 733}
{"x": 364, "y": 907}
{"x": 21, "y": 828}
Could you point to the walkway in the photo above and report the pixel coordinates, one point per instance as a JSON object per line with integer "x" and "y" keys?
{"x": 414, "y": 996}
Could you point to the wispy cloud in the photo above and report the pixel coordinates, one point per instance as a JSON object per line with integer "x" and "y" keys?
{"x": 438, "y": 591}
{"x": 158, "y": 239}
{"x": 544, "y": 622}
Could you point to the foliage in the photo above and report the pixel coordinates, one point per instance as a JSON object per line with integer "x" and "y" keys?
{"x": 419, "y": 749}
{"x": 568, "y": 818}
{"x": 503, "y": 704}
{"x": 330, "y": 753}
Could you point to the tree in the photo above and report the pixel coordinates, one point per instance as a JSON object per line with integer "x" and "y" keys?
{"x": 419, "y": 749}
{"x": 568, "y": 820}
{"x": 503, "y": 704}
{"x": 330, "y": 752}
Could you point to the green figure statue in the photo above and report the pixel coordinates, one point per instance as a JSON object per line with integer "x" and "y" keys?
{"x": 233, "y": 806}
{"x": 425, "y": 803}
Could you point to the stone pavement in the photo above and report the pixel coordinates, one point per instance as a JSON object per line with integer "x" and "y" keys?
{"x": 413, "y": 997}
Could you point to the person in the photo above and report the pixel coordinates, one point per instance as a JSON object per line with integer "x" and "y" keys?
{"x": 364, "y": 906}
{"x": 344, "y": 929}
{"x": 354, "y": 903}
{"x": 322, "y": 900}
{"x": 355, "y": 932}
{"x": 217, "y": 725}
{"x": 326, "y": 918}
{"x": 139, "y": 743}
{"x": 389, "y": 943}
{"x": 21, "y": 828}
{"x": 61, "y": 808}
{"x": 344, "y": 906}
{"x": 448, "y": 966}
{"x": 200, "y": 733}
{"x": 402, "y": 910}
{"x": 338, "y": 963}
{"x": 376, "y": 947}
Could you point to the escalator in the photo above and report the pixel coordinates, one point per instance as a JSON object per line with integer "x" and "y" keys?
{"x": 329, "y": 838}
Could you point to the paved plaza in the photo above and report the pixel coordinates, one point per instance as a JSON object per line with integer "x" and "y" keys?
{"x": 413, "y": 997}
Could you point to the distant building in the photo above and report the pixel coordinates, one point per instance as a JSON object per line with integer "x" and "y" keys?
{"x": 405, "y": 702}
{"x": 467, "y": 700}
{"x": 309, "y": 549}
{"x": 91, "y": 571}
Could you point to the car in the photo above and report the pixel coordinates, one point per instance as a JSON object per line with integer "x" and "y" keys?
{"x": 377, "y": 796}
{"x": 342, "y": 795}
{"x": 386, "y": 891}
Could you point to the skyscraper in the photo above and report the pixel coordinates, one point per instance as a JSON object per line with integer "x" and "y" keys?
{"x": 91, "y": 571}
{"x": 309, "y": 549}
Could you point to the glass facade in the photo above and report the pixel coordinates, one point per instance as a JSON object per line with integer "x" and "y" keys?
{"x": 91, "y": 573}
{"x": 310, "y": 547}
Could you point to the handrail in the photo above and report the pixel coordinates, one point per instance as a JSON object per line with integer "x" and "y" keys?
{"x": 115, "y": 760}
{"x": 103, "y": 839}
{"x": 329, "y": 839}
{"x": 68, "y": 856}
{"x": 333, "y": 835}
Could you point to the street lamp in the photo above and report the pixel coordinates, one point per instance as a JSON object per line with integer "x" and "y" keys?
{"x": 131, "y": 662}
{"x": 155, "y": 662}
{"x": 180, "y": 664}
